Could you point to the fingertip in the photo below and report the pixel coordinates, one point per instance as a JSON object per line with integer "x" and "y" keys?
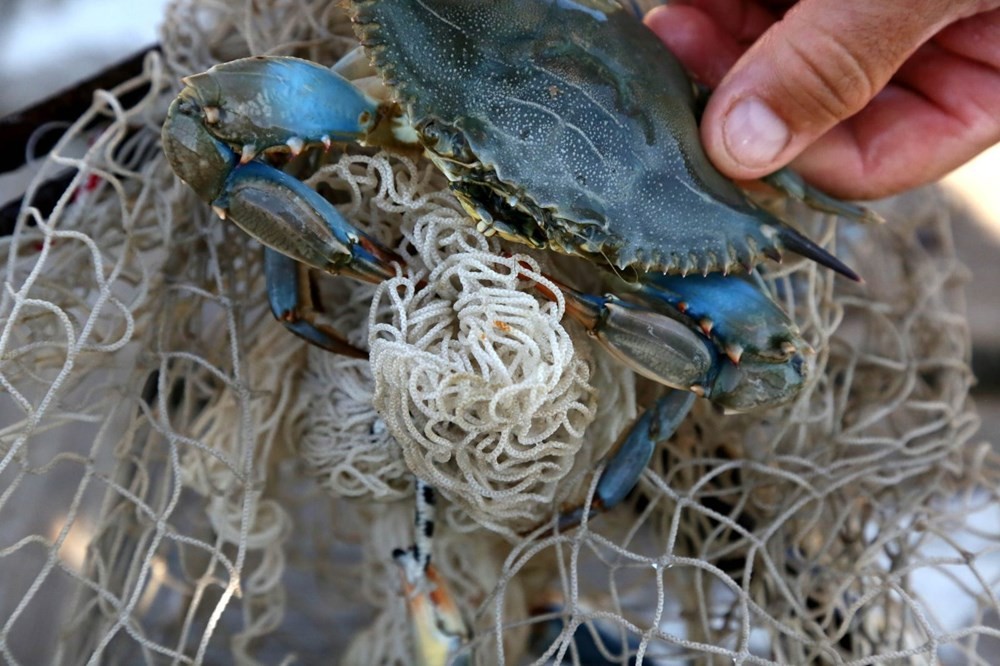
{"x": 745, "y": 138}
{"x": 754, "y": 136}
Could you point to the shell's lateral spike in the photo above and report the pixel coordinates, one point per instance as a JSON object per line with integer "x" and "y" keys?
{"x": 795, "y": 242}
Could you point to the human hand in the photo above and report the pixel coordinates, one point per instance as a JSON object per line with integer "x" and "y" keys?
{"x": 869, "y": 97}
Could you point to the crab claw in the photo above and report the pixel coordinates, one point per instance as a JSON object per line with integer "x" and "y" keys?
{"x": 650, "y": 343}
{"x": 288, "y": 216}
{"x": 291, "y": 219}
{"x": 273, "y": 207}
{"x": 661, "y": 343}
{"x": 755, "y": 383}
{"x": 743, "y": 320}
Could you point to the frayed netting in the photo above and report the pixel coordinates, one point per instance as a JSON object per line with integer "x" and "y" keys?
{"x": 183, "y": 481}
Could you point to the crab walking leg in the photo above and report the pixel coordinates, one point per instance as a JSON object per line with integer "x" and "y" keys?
{"x": 632, "y": 453}
{"x": 438, "y": 630}
{"x": 794, "y": 186}
{"x": 290, "y": 293}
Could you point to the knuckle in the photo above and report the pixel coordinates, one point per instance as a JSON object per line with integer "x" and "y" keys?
{"x": 832, "y": 81}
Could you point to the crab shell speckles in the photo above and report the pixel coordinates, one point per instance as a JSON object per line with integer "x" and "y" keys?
{"x": 582, "y": 130}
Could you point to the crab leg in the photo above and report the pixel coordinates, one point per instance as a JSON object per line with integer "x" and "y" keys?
{"x": 439, "y": 632}
{"x": 794, "y": 186}
{"x": 632, "y": 453}
{"x": 290, "y": 293}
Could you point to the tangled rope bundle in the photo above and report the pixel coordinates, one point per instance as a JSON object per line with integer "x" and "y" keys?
{"x": 238, "y": 495}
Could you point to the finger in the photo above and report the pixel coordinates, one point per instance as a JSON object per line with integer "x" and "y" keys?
{"x": 820, "y": 64}
{"x": 744, "y": 20}
{"x": 976, "y": 38}
{"x": 705, "y": 48}
{"x": 938, "y": 113}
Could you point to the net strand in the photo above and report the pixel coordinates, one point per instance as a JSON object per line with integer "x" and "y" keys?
{"x": 182, "y": 481}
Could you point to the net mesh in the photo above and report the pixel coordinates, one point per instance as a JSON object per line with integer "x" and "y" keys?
{"x": 182, "y": 481}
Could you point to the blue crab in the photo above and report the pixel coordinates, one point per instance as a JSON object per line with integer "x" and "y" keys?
{"x": 561, "y": 124}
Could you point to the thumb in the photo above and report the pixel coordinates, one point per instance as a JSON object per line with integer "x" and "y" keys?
{"x": 824, "y": 61}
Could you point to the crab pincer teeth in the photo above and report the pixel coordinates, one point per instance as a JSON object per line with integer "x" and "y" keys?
{"x": 788, "y": 347}
{"x": 296, "y": 145}
{"x": 706, "y": 325}
{"x": 211, "y": 114}
{"x": 248, "y": 152}
{"x": 734, "y": 352}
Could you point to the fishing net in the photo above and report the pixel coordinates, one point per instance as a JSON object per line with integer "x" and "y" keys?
{"x": 183, "y": 481}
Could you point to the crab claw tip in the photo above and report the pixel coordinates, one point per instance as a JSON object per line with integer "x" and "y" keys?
{"x": 220, "y": 211}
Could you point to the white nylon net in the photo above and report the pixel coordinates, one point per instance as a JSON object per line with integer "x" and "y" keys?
{"x": 183, "y": 481}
